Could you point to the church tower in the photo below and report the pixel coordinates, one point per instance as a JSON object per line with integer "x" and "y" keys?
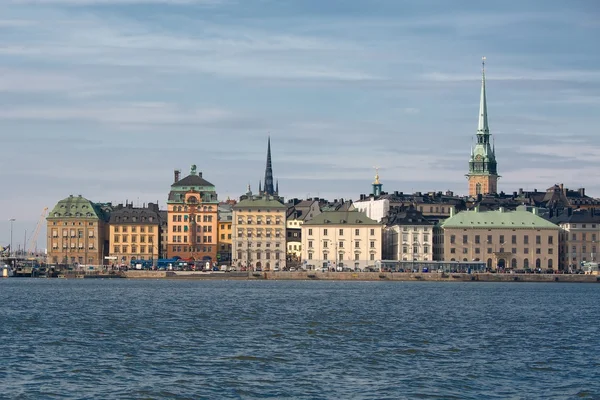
{"x": 377, "y": 185}
{"x": 483, "y": 174}
{"x": 269, "y": 187}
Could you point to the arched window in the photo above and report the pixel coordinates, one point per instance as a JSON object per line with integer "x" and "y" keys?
{"x": 538, "y": 263}
{"x": 478, "y": 188}
{"x": 489, "y": 263}
{"x": 550, "y": 263}
{"x": 513, "y": 263}
{"x": 526, "y": 263}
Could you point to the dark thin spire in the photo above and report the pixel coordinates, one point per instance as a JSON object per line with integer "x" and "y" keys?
{"x": 259, "y": 187}
{"x": 269, "y": 189}
{"x": 277, "y": 187}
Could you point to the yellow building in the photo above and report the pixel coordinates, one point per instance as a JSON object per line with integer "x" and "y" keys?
{"x": 224, "y": 232}
{"x": 134, "y": 234}
{"x": 297, "y": 213}
{"x": 76, "y": 233}
{"x": 192, "y": 218}
{"x": 259, "y": 233}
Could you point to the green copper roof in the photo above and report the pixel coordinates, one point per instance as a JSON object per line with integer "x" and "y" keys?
{"x": 76, "y": 207}
{"x": 498, "y": 219}
{"x": 342, "y": 218}
{"x": 259, "y": 202}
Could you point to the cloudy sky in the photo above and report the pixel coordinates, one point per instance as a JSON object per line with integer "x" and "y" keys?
{"x": 105, "y": 98}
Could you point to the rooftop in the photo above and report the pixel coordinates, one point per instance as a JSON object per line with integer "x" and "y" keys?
{"x": 519, "y": 219}
{"x": 341, "y": 218}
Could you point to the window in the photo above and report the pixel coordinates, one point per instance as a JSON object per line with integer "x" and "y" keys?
{"x": 550, "y": 240}
{"x": 426, "y": 249}
{"x": 489, "y": 250}
{"x": 310, "y": 256}
{"x": 356, "y": 244}
{"x": 372, "y": 258}
{"x": 341, "y": 232}
{"x": 452, "y": 239}
{"x": 489, "y": 239}
{"x": 310, "y": 232}
{"x": 550, "y": 251}
{"x": 477, "y": 239}
{"x": 356, "y": 257}
{"x": 325, "y": 244}
{"x": 526, "y": 250}
{"x": 477, "y": 250}
{"x": 324, "y": 232}
{"x": 465, "y": 239}
{"x": 357, "y": 232}
{"x": 514, "y": 250}
{"x": 324, "y": 256}
{"x": 372, "y": 244}
{"x": 452, "y": 250}
{"x": 501, "y": 239}
{"x": 526, "y": 239}
{"x": 341, "y": 245}
{"x": 465, "y": 250}
{"x": 538, "y": 239}
{"x": 405, "y": 249}
{"x": 538, "y": 251}
{"x": 513, "y": 239}
{"x": 117, "y": 249}
{"x": 372, "y": 232}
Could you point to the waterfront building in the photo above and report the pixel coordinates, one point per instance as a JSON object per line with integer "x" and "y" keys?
{"x": 483, "y": 175}
{"x": 134, "y": 233}
{"x": 335, "y": 239}
{"x": 519, "y": 239}
{"x": 579, "y": 237}
{"x": 192, "y": 218}
{"x": 258, "y": 228}
{"x": 225, "y": 231}
{"x": 76, "y": 229}
{"x": 297, "y": 213}
{"x": 164, "y": 233}
{"x": 408, "y": 236}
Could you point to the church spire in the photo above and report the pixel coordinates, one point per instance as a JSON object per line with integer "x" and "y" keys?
{"x": 268, "y": 184}
{"x": 483, "y": 128}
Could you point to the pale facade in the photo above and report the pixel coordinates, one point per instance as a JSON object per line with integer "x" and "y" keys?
{"x": 408, "y": 236}
{"x": 336, "y": 239}
{"x": 76, "y": 229}
{"x": 134, "y": 234}
{"x": 579, "y": 235}
{"x": 296, "y": 216}
{"x": 374, "y": 209}
{"x": 258, "y": 228}
{"x": 502, "y": 239}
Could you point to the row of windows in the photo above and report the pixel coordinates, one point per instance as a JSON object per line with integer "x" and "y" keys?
{"x": 223, "y": 227}
{"x": 415, "y": 238}
{"x": 134, "y": 249}
{"x": 583, "y": 236}
{"x": 259, "y": 221}
{"x": 415, "y": 249}
{"x": 73, "y": 233}
{"x": 186, "y": 218}
{"x": 199, "y": 228}
{"x": 341, "y": 256}
{"x": 192, "y": 249}
{"x": 259, "y": 235}
{"x": 258, "y": 244}
{"x": 259, "y": 255}
{"x": 223, "y": 236}
{"x": 341, "y": 244}
{"x": 72, "y": 223}
{"x": 513, "y": 239}
{"x": 134, "y": 229}
{"x": 489, "y": 250}
{"x": 186, "y": 208}
{"x": 184, "y": 239}
{"x": 341, "y": 232}
{"x": 73, "y": 246}
{"x": 134, "y": 238}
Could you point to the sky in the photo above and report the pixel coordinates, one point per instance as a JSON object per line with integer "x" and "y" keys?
{"x": 105, "y": 98}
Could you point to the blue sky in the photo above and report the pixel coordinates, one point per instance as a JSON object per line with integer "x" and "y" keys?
{"x": 105, "y": 98}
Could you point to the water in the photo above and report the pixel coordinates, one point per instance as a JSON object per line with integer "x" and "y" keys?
{"x": 73, "y": 339}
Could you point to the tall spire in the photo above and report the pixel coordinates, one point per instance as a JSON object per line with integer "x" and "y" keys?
{"x": 268, "y": 188}
{"x": 277, "y": 187}
{"x": 483, "y": 120}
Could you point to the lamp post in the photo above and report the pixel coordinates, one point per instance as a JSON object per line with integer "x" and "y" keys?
{"x": 11, "y": 237}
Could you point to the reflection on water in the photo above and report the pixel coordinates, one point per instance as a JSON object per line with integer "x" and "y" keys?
{"x": 255, "y": 339}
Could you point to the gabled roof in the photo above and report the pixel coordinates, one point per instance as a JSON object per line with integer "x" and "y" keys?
{"x": 137, "y": 216}
{"x": 518, "y": 219}
{"x": 341, "y": 218}
{"x": 76, "y": 207}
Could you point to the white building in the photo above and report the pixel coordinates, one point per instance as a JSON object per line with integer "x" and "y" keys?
{"x": 336, "y": 239}
{"x": 408, "y": 236}
{"x": 374, "y": 209}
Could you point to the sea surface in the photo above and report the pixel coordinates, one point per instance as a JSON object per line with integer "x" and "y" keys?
{"x": 165, "y": 339}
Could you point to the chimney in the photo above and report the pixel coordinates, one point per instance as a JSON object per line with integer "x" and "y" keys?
{"x": 451, "y": 211}
{"x": 582, "y": 192}
{"x": 177, "y": 173}
{"x": 520, "y": 191}
{"x": 200, "y": 174}
{"x": 534, "y": 210}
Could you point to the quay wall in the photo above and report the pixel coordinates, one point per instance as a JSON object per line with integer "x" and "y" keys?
{"x": 365, "y": 276}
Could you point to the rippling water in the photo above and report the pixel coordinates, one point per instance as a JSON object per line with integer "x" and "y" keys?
{"x": 257, "y": 339}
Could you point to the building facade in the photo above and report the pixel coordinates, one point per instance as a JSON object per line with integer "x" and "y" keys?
{"x": 297, "y": 213}
{"x": 259, "y": 241}
{"x": 502, "y": 239}
{"x": 483, "y": 174}
{"x": 76, "y": 229}
{"x": 225, "y": 235}
{"x": 134, "y": 234}
{"x": 408, "y": 236}
{"x": 579, "y": 237}
{"x": 192, "y": 218}
{"x": 338, "y": 239}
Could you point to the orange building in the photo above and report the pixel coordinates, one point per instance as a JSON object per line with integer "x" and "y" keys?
{"x": 192, "y": 218}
